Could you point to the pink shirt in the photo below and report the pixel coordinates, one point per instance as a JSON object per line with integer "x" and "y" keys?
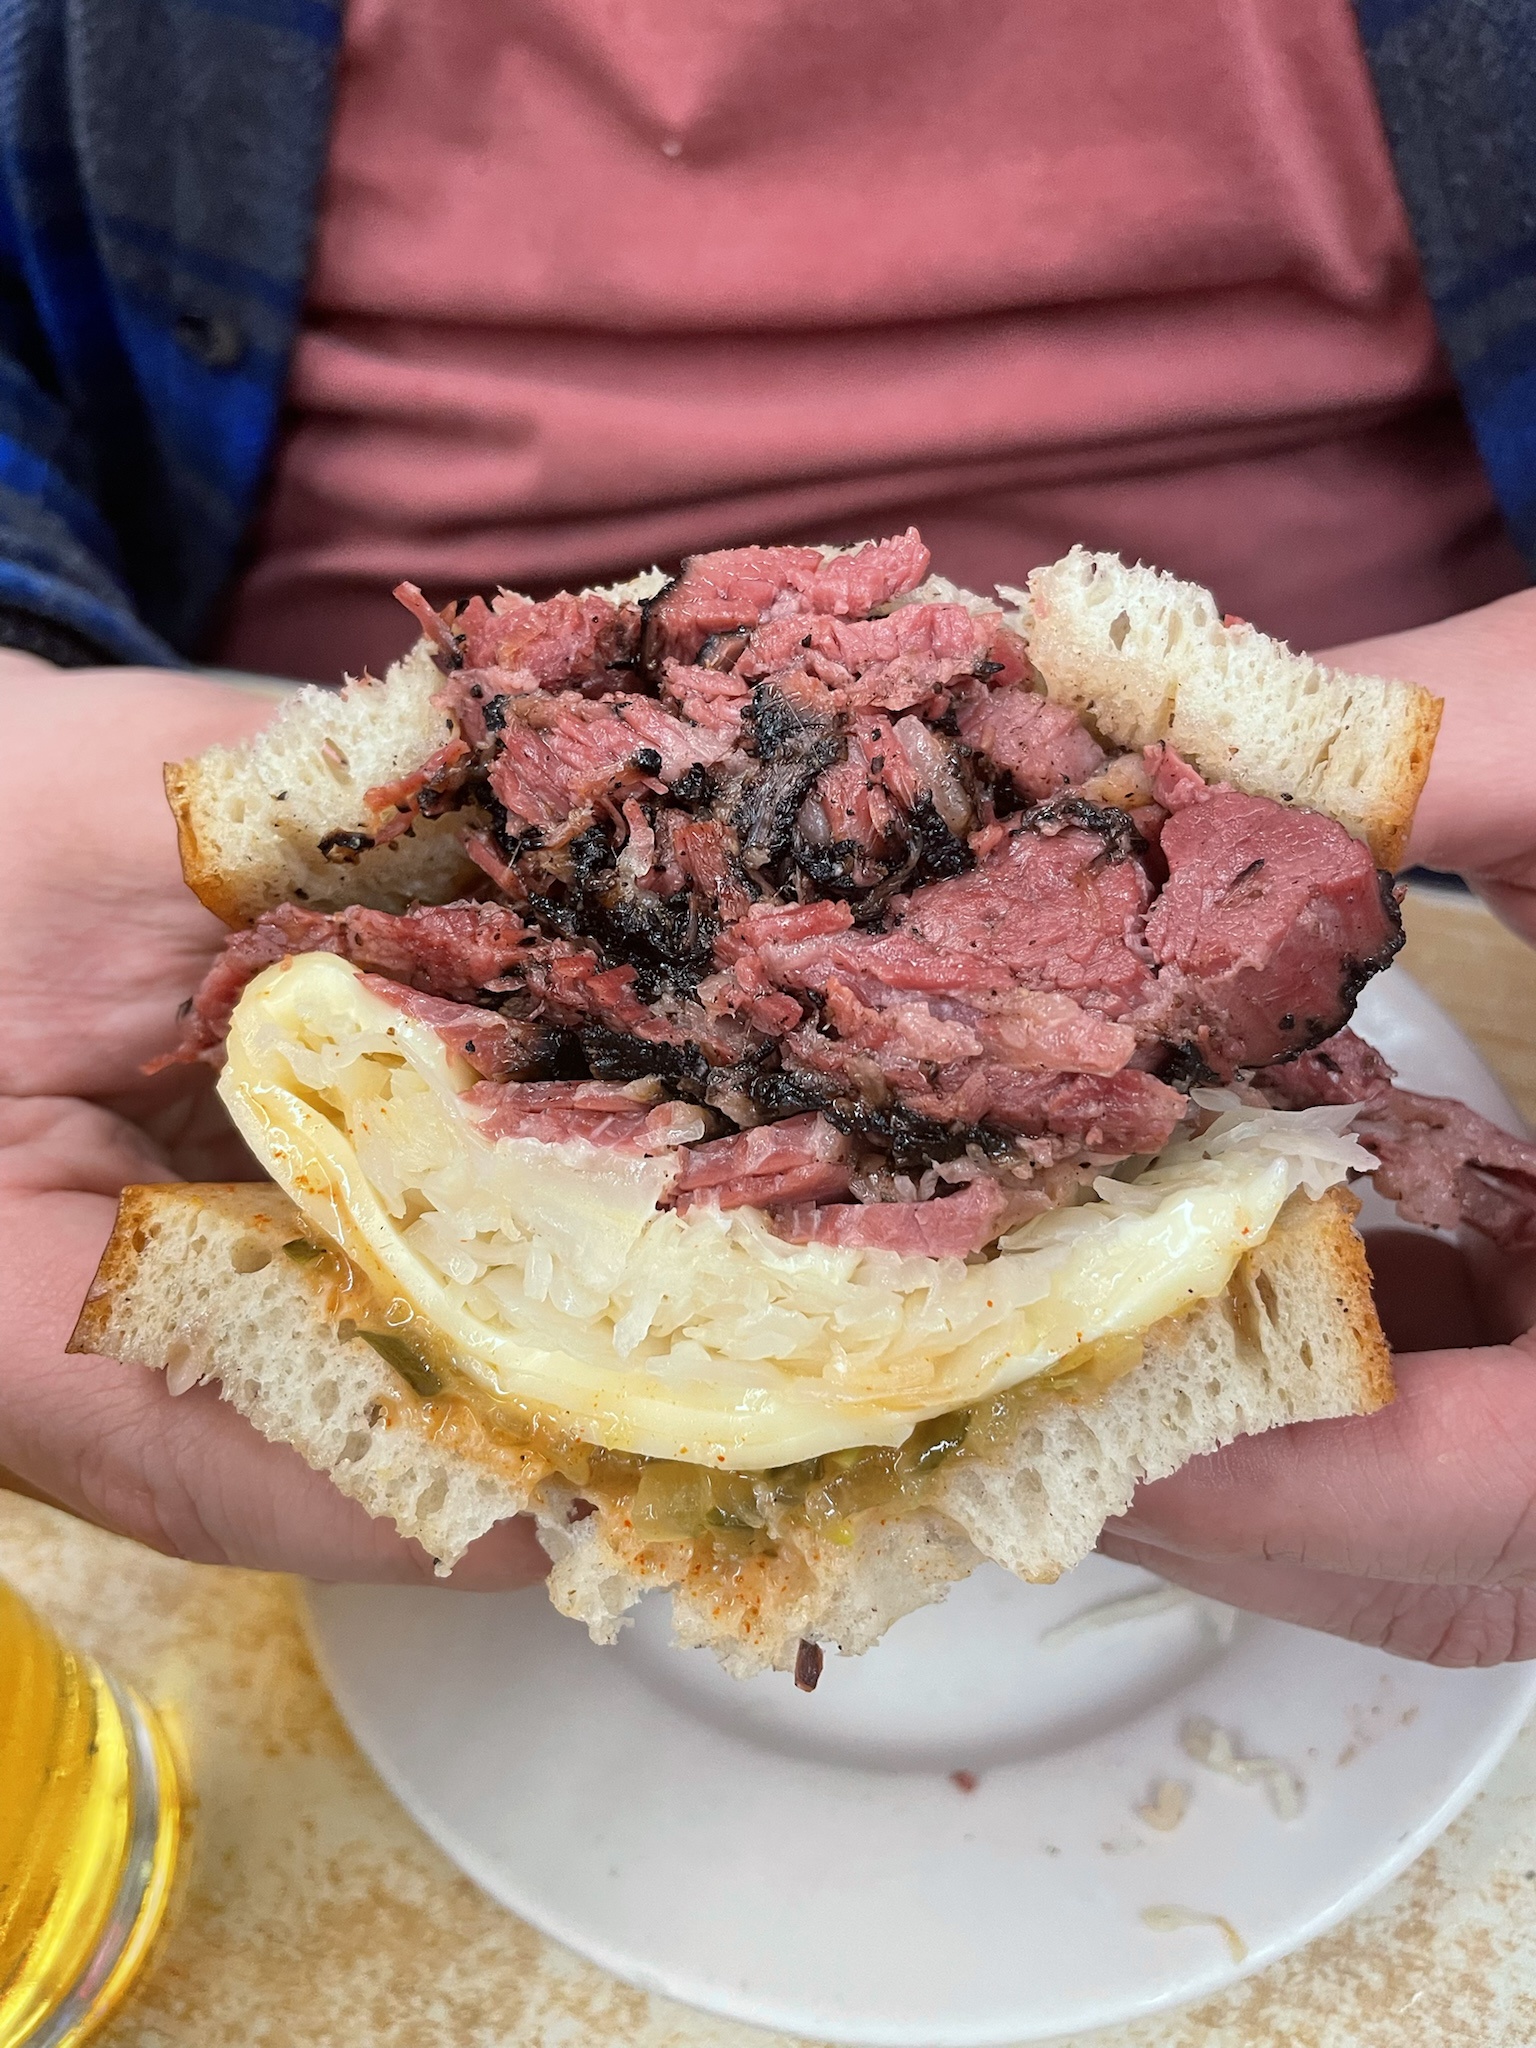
{"x": 601, "y": 282}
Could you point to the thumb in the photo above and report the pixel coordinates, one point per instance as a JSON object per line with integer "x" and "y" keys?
{"x": 1439, "y": 1487}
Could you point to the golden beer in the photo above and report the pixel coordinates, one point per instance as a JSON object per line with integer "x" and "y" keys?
{"x": 89, "y": 1825}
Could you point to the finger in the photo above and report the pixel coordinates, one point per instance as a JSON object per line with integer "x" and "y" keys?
{"x": 1440, "y": 1487}
{"x": 1424, "y": 1291}
{"x": 81, "y": 1018}
{"x": 53, "y": 1142}
{"x": 12, "y": 1482}
{"x": 1505, "y": 1285}
{"x": 1474, "y": 814}
{"x": 1455, "y": 1626}
{"x": 190, "y": 1477}
{"x": 185, "y": 1475}
{"x": 189, "y": 1124}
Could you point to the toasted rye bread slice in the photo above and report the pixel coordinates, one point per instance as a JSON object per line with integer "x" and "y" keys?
{"x": 1143, "y": 657}
{"x": 194, "y": 1279}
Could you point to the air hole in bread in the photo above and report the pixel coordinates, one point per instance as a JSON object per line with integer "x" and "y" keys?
{"x": 1306, "y": 1354}
{"x": 431, "y": 1497}
{"x": 326, "y": 1398}
{"x": 234, "y": 810}
{"x": 1265, "y": 1288}
{"x": 1119, "y": 626}
{"x": 250, "y": 1255}
{"x": 355, "y": 1447}
{"x": 139, "y": 1240}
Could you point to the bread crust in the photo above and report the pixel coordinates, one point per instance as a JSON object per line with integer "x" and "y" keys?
{"x": 199, "y": 866}
{"x": 250, "y": 818}
{"x": 1143, "y": 657}
{"x": 194, "y": 1279}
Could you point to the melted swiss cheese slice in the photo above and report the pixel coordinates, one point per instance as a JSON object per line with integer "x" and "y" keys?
{"x": 554, "y": 1277}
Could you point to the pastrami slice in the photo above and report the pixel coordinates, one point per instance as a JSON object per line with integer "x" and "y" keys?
{"x": 1268, "y": 926}
{"x": 797, "y": 841}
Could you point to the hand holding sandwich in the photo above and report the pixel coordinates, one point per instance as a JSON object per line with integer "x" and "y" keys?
{"x": 1415, "y": 1528}
{"x": 188, "y": 1476}
{"x": 101, "y": 940}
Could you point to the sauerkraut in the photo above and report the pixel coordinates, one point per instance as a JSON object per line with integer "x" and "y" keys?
{"x": 556, "y": 1279}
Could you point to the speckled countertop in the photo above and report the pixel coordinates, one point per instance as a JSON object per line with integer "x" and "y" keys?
{"x": 316, "y": 1914}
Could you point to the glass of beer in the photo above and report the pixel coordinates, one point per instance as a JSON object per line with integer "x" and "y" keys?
{"x": 90, "y": 1819}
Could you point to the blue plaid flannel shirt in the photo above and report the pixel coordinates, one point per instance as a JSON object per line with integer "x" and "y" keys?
{"x": 160, "y": 163}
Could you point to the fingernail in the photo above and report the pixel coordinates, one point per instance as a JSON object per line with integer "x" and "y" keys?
{"x": 1129, "y": 1525}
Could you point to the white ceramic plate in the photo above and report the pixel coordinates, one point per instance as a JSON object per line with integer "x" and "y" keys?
{"x": 815, "y": 1863}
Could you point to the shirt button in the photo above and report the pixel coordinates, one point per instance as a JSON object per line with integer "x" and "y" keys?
{"x": 212, "y": 338}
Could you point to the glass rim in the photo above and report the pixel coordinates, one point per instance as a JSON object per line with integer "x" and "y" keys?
{"x": 143, "y": 1892}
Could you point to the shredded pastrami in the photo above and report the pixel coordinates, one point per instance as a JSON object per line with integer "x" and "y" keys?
{"x": 889, "y": 944}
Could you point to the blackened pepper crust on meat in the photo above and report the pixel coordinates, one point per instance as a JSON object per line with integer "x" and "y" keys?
{"x": 794, "y": 843}
{"x": 791, "y": 746}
